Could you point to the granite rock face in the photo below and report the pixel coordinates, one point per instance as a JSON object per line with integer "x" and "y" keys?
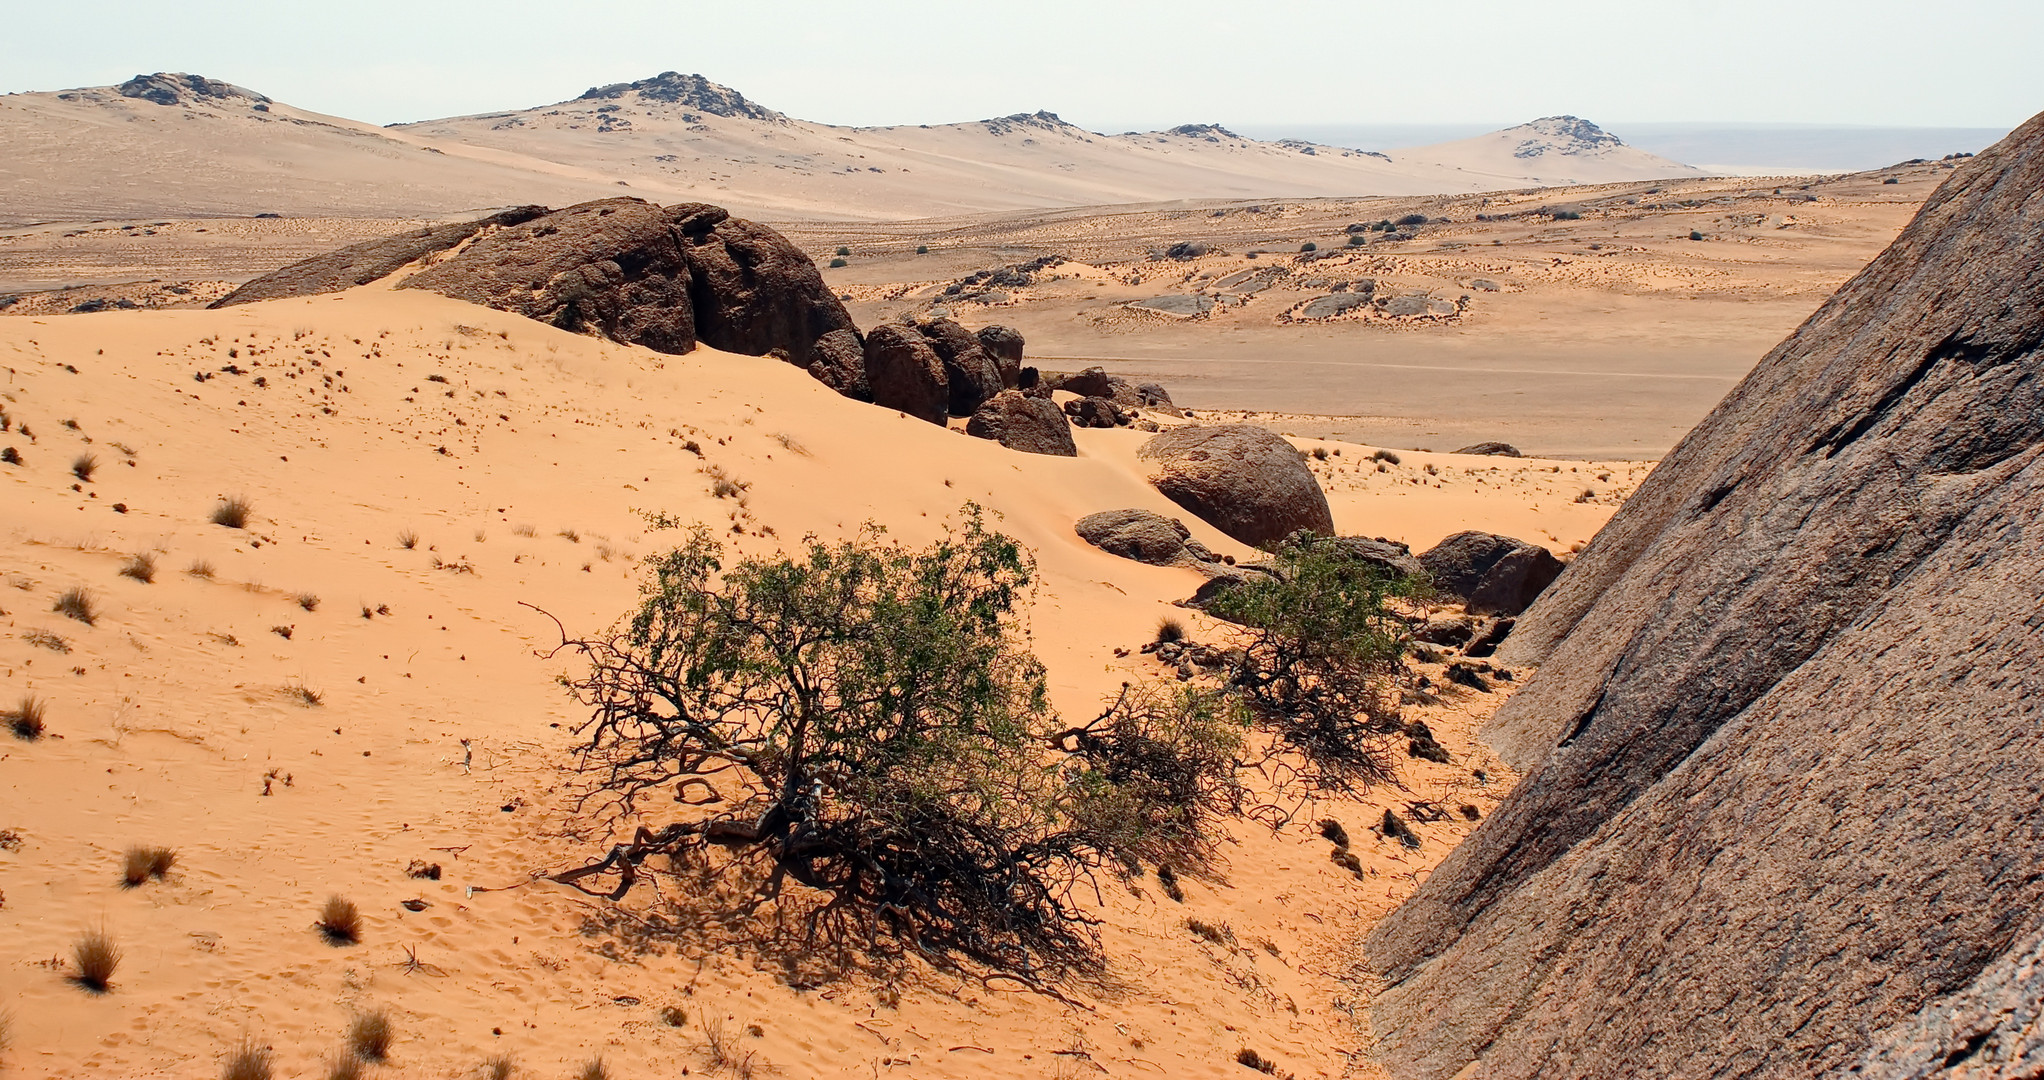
{"x": 905, "y": 373}
{"x": 1032, "y": 425}
{"x": 1004, "y": 345}
{"x": 754, "y": 292}
{"x": 371, "y": 260}
{"x": 1244, "y": 480}
{"x": 1491, "y": 574}
{"x": 1781, "y": 813}
{"x": 1143, "y": 535}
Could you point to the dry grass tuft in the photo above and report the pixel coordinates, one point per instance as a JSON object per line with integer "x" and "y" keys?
{"x": 96, "y": 956}
{"x": 83, "y": 466}
{"x": 141, "y": 567}
{"x": 76, "y": 603}
{"x": 232, "y": 512}
{"x": 247, "y": 1062}
{"x": 200, "y": 569}
{"x": 499, "y": 1067}
{"x": 346, "y": 1066}
{"x": 1256, "y": 1061}
{"x": 1169, "y": 630}
{"x": 1384, "y": 455}
{"x": 340, "y": 922}
{"x": 594, "y": 1070}
{"x": 26, "y": 719}
{"x": 135, "y": 867}
{"x": 408, "y": 539}
{"x": 305, "y": 695}
{"x": 307, "y": 601}
{"x": 370, "y": 1035}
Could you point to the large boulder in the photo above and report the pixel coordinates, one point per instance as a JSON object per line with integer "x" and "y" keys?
{"x": 970, "y": 372}
{"x": 1092, "y": 382}
{"x": 1391, "y": 558}
{"x": 371, "y": 260}
{"x": 1017, "y": 421}
{"x": 1491, "y": 574}
{"x": 1095, "y": 412}
{"x": 904, "y": 373}
{"x": 1143, "y": 535}
{"x": 1780, "y": 813}
{"x": 1243, "y": 480}
{"x": 1004, "y": 345}
{"x": 753, "y": 291}
{"x": 612, "y": 268}
{"x": 838, "y": 360}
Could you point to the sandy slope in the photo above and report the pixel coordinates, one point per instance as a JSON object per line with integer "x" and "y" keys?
{"x": 97, "y": 153}
{"x": 176, "y": 719}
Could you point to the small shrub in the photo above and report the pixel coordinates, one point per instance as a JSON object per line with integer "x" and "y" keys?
{"x": 1256, "y": 1061}
{"x": 10, "y": 455}
{"x": 1357, "y": 240}
{"x": 26, "y": 719}
{"x": 200, "y": 569}
{"x": 1169, "y": 630}
{"x": 922, "y": 249}
{"x": 1695, "y": 235}
{"x": 76, "y": 603}
{"x": 1332, "y": 830}
{"x": 673, "y": 1015}
{"x": 340, "y": 922}
{"x": 346, "y": 1066}
{"x": 844, "y": 251}
{"x": 408, "y": 540}
{"x": 43, "y": 639}
{"x": 1167, "y": 879}
{"x": 83, "y": 466}
{"x": 232, "y": 512}
{"x": 1394, "y": 828}
{"x": 284, "y": 632}
{"x": 1219, "y": 935}
{"x": 1566, "y": 215}
{"x": 570, "y": 535}
{"x": 1320, "y": 453}
{"x": 161, "y": 859}
{"x": 499, "y": 1067}
{"x": 96, "y": 957}
{"x": 1309, "y": 246}
{"x": 305, "y": 695}
{"x": 135, "y": 867}
{"x": 307, "y": 601}
{"x": 370, "y": 1035}
{"x": 593, "y": 1070}
{"x": 1411, "y": 219}
{"x": 141, "y": 567}
{"x": 1385, "y": 456}
{"x": 247, "y": 1062}
{"x": 838, "y": 263}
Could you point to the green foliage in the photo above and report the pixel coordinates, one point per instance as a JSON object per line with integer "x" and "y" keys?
{"x": 1322, "y": 646}
{"x": 844, "y": 251}
{"x": 1357, "y": 240}
{"x": 1309, "y": 246}
{"x": 922, "y": 249}
{"x": 837, "y": 263}
{"x": 867, "y": 719}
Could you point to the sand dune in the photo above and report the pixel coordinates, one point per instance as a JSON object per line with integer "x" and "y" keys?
{"x": 310, "y": 705}
{"x": 184, "y": 146}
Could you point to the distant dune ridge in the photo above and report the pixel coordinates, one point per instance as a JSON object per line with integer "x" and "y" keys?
{"x": 1780, "y": 813}
{"x": 181, "y": 145}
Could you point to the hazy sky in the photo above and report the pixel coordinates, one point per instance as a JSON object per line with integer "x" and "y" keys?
{"x": 1105, "y": 64}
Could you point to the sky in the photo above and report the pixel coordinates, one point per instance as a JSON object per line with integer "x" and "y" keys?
{"x": 1109, "y": 65}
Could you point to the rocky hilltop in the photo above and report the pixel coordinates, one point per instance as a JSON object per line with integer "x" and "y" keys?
{"x": 689, "y": 91}
{"x": 1781, "y": 811}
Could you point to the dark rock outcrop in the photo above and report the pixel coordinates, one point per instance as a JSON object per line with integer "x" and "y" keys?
{"x": 612, "y": 268}
{"x": 371, "y": 260}
{"x": 1390, "y": 557}
{"x": 1491, "y": 574}
{"x": 1780, "y": 814}
{"x": 754, "y": 292}
{"x": 838, "y": 360}
{"x": 1095, "y": 412}
{"x": 1017, "y": 421}
{"x": 1491, "y": 449}
{"x": 970, "y": 372}
{"x": 1143, "y": 535}
{"x": 1092, "y": 382}
{"x": 1004, "y": 345}
{"x": 905, "y": 373}
{"x": 1244, "y": 480}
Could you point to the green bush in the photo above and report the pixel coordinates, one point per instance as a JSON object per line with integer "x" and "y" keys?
{"x": 1309, "y": 246}
{"x": 1356, "y": 240}
{"x": 922, "y": 249}
{"x": 1566, "y": 215}
{"x": 1321, "y": 649}
{"x": 835, "y": 263}
{"x": 868, "y": 719}
{"x": 844, "y": 251}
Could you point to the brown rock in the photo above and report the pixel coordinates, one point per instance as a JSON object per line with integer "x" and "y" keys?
{"x": 1092, "y": 382}
{"x": 905, "y": 373}
{"x": 1095, "y": 412}
{"x": 1143, "y": 535}
{"x": 1244, "y": 480}
{"x": 371, "y": 260}
{"x": 968, "y": 369}
{"x": 1780, "y": 813}
{"x": 838, "y": 361}
{"x": 612, "y": 268}
{"x": 1004, "y": 345}
{"x": 753, "y": 291}
{"x": 1491, "y": 574}
{"x": 1491, "y": 449}
{"x": 1030, "y": 424}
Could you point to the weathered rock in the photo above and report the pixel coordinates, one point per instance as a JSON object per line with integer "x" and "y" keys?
{"x": 1779, "y": 815}
{"x": 971, "y": 373}
{"x": 753, "y": 291}
{"x": 1017, "y": 421}
{"x": 1095, "y": 412}
{"x": 1244, "y": 480}
{"x": 1492, "y": 449}
{"x": 371, "y": 260}
{"x": 1491, "y": 574}
{"x": 1142, "y": 535}
{"x": 1449, "y": 630}
{"x": 1486, "y": 643}
{"x": 612, "y": 268}
{"x": 1092, "y": 382}
{"x": 838, "y": 361}
{"x": 905, "y": 373}
{"x": 1004, "y": 344}
{"x": 1390, "y": 557}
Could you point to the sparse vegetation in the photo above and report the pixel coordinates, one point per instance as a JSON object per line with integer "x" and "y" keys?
{"x": 370, "y": 1035}
{"x": 83, "y": 466}
{"x": 248, "y": 1061}
{"x": 593, "y": 1069}
{"x": 26, "y": 720}
{"x": 1256, "y": 1061}
{"x": 1332, "y": 830}
{"x": 1309, "y": 246}
{"x": 140, "y": 566}
{"x": 1169, "y": 631}
{"x": 1357, "y": 239}
{"x": 1385, "y": 456}
{"x": 838, "y": 264}
{"x": 10, "y": 455}
{"x": 95, "y": 958}
{"x": 200, "y": 569}
{"x": 232, "y": 512}
{"x": 43, "y": 639}
{"x": 346, "y": 1066}
{"x": 307, "y": 601}
{"x": 76, "y": 603}
{"x": 922, "y": 249}
{"x": 844, "y": 251}
{"x": 408, "y": 539}
{"x": 499, "y": 1067}
{"x": 340, "y": 922}
{"x": 878, "y": 728}
{"x": 305, "y": 695}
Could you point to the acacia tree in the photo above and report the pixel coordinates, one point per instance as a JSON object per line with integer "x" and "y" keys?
{"x": 1321, "y": 648}
{"x": 867, "y": 719}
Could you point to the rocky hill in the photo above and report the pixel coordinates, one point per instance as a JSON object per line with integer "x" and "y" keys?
{"x": 1783, "y": 756}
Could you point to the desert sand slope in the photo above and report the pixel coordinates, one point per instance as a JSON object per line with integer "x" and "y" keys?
{"x": 307, "y": 706}
{"x": 1785, "y": 747}
{"x": 175, "y": 145}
